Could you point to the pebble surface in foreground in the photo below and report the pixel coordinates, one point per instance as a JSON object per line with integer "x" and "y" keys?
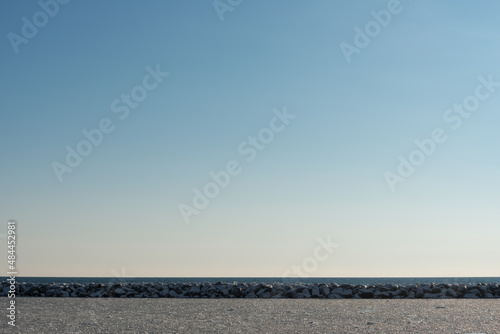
{"x": 112, "y": 315}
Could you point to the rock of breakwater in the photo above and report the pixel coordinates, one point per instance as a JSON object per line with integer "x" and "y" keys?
{"x": 254, "y": 290}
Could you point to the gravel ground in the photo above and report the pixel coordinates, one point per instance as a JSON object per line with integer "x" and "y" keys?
{"x": 76, "y": 315}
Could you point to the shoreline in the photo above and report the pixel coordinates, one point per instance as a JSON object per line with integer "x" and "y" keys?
{"x": 254, "y": 290}
{"x": 280, "y": 316}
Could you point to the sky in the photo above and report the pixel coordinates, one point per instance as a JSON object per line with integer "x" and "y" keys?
{"x": 251, "y": 139}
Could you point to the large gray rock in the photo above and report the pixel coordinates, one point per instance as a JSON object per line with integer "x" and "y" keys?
{"x": 266, "y": 295}
{"x": 195, "y": 290}
{"x": 476, "y": 292}
{"x": 365, "y": 293}
{"x": 225, "y": 292}
{"x": 334, "y": 296}
{"x": 347, "y": 293}
{"x": 385, "y": 295}
{"x": 452, "y": 293}
{"x": 251, "y": 295}
{"x": 236, "y": 291}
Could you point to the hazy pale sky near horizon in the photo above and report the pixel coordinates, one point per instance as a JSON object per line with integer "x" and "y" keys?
{"x": 321, "y": 176}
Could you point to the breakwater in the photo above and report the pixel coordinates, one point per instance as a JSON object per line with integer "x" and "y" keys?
{"x": 254, "y": 290}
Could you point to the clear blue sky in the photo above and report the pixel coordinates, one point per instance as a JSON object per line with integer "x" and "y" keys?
{"x": 323, "y": 175}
